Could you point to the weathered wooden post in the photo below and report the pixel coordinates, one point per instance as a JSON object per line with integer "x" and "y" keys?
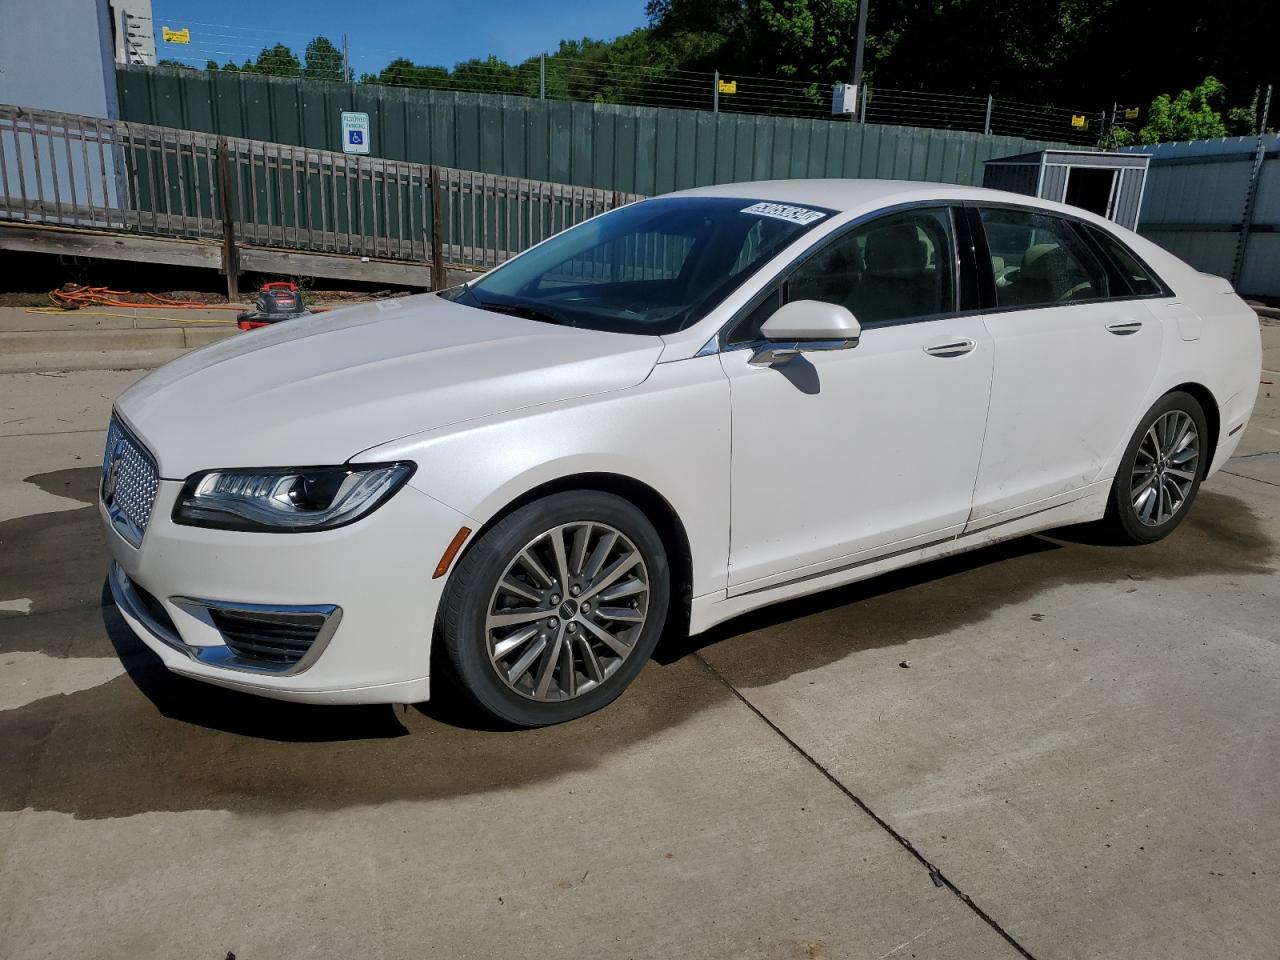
{"x": 230, "y": 253}
{"x": 439, "y": 273}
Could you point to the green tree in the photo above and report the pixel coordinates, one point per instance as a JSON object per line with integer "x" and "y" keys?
{"x": 323, "y": 60}
{"x": 490, "y": 75}
{"x": 404, "y": 72}
{"x": 808, "y": 39}
{"x": 1191, "y": 115}
{"x": 278, "y": 61}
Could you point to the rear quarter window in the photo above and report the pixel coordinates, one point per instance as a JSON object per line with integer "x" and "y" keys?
{"x": 1130, "y": 270}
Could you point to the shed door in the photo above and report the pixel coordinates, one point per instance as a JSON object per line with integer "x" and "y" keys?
{"x": 1091, "y": 188}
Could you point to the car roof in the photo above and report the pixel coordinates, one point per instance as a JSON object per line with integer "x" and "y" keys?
{"x": 857, "y": 195}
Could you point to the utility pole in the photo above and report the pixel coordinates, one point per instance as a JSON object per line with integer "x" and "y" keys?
{"x": 346, "y": 61}
{"x": 855, "y": 75}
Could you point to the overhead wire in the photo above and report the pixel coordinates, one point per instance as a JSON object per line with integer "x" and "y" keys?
{"x": 660, "y": 86}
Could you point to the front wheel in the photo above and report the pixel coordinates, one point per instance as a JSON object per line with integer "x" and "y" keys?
{"x": 1161, "y": 471}
{"x": 556, "y": 608}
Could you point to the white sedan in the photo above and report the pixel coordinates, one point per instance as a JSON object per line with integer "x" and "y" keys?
{"x": 676, "y": 412}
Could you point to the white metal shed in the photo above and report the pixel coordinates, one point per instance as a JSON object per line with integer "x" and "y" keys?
{"x": 1108, "y": 184}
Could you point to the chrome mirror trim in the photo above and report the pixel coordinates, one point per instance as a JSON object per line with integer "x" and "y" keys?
{"x": 771, "y": 353}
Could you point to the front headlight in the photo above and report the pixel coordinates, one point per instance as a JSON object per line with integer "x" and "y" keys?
{"x": 288, "y": 500}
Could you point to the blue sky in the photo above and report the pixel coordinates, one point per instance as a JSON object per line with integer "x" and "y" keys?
{"x": 380, "y": 30}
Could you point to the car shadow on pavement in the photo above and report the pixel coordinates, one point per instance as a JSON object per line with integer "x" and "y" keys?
{"x": 149, "y": 740}
{"x": 230, "y": 711}
{"x": 1222, "y": 535}
{"x": 674, "y": 648}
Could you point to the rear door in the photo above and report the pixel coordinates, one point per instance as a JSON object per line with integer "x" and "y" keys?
{"x": 1074, "y": 358}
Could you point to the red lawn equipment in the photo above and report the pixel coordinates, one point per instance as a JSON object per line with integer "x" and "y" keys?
{"x": 275, "y": 302}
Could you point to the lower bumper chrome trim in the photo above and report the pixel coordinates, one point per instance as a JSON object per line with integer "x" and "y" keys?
{"x": 127, "y": 598}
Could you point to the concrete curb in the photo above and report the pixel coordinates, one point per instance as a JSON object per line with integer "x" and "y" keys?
{"x": 18, "y": 342}
{"x": 88, "y": 360}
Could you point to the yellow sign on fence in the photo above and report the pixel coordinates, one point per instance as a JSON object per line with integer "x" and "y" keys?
{"x": 1131, "y": 113}
{"x": 1079, "y": 121}
{"x": 176, "y": 36}
{"x": 728, "y": 86}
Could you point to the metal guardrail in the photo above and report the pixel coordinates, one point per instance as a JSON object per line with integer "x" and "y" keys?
{"x": 77, "y": 171}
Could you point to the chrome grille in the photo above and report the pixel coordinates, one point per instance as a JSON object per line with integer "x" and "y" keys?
{"x": 129, "y": 483}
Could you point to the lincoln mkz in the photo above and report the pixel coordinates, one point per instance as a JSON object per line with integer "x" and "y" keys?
{"x": 676, "y": 412}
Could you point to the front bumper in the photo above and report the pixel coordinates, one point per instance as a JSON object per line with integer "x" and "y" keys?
{"x": 368, "y": 586}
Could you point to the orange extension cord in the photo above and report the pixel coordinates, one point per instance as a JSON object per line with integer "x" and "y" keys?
{"x": 76, "y": 297}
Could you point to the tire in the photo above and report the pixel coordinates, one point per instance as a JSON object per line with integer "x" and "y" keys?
{"x": 1155, "y": 465}
{"x": 618, "y": 567}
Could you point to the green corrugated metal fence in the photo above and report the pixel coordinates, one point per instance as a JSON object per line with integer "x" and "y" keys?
{"x": 644, "y": 150}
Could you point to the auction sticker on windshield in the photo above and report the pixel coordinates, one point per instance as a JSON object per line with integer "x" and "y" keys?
{"x": 784, "y": 211}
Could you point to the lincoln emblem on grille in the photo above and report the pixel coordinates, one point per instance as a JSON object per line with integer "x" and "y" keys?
{"x": 112, "y": 476}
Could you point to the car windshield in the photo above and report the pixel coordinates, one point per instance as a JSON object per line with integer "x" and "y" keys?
{"x": 652, "y": 267}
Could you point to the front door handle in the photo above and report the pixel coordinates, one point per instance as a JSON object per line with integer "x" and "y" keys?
{"x": 952, "y": 348}
{"x": 1122, "y": 328}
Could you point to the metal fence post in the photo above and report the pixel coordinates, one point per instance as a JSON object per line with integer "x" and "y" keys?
{"x": 542, "y": 76}
{"x": 1246, "y": 218}
{"x": 862, "y": 102}
{"x": 715, "y": 93}
{"x": 439, "y": 273}
{"x": 230, "y": 252}
{"x": 986, "y": 124}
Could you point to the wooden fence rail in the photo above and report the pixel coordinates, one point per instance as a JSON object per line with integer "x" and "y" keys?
{"x": 73, "y": 171}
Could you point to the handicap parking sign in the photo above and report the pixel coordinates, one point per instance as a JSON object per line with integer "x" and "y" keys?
{"x": 355, "y": 132}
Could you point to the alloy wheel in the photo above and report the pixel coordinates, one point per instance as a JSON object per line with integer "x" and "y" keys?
{"x": 1165, "y": 468}
{"x": 567, "y": 611}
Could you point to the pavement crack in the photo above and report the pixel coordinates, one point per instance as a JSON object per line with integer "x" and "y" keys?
{"x": 935, "y": 873}
{"x": 1251, "y": 456}
{"x": 1243, "y": 476}
{"x": 50, "y": 433}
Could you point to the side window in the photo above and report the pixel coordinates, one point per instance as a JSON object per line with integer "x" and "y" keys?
{"x": 1131, "y": 270}
{"x": 898, "y": 267}
{"x": 1038, "y": 260}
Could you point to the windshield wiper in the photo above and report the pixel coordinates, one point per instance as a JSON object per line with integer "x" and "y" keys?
{"x": 528, "y": 311}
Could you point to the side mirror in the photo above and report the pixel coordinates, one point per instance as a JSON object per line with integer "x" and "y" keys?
{"x": 804, "y": 325}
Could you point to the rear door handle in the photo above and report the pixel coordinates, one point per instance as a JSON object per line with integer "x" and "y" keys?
{"x": 1122, "y": 328}
{"x": 952, "y": 348}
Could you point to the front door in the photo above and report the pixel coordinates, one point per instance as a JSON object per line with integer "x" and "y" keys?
{"x": 843, "y": 456}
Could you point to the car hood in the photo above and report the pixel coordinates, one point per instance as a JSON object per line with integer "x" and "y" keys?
{"x": 321, "y": 389}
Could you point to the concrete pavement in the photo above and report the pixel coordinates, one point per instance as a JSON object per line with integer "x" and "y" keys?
{"x": 1081, "y": 753}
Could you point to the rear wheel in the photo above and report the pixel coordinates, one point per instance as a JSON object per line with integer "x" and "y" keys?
{"x": 554, "y": 611}
{"x": 1161, "y": 471}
